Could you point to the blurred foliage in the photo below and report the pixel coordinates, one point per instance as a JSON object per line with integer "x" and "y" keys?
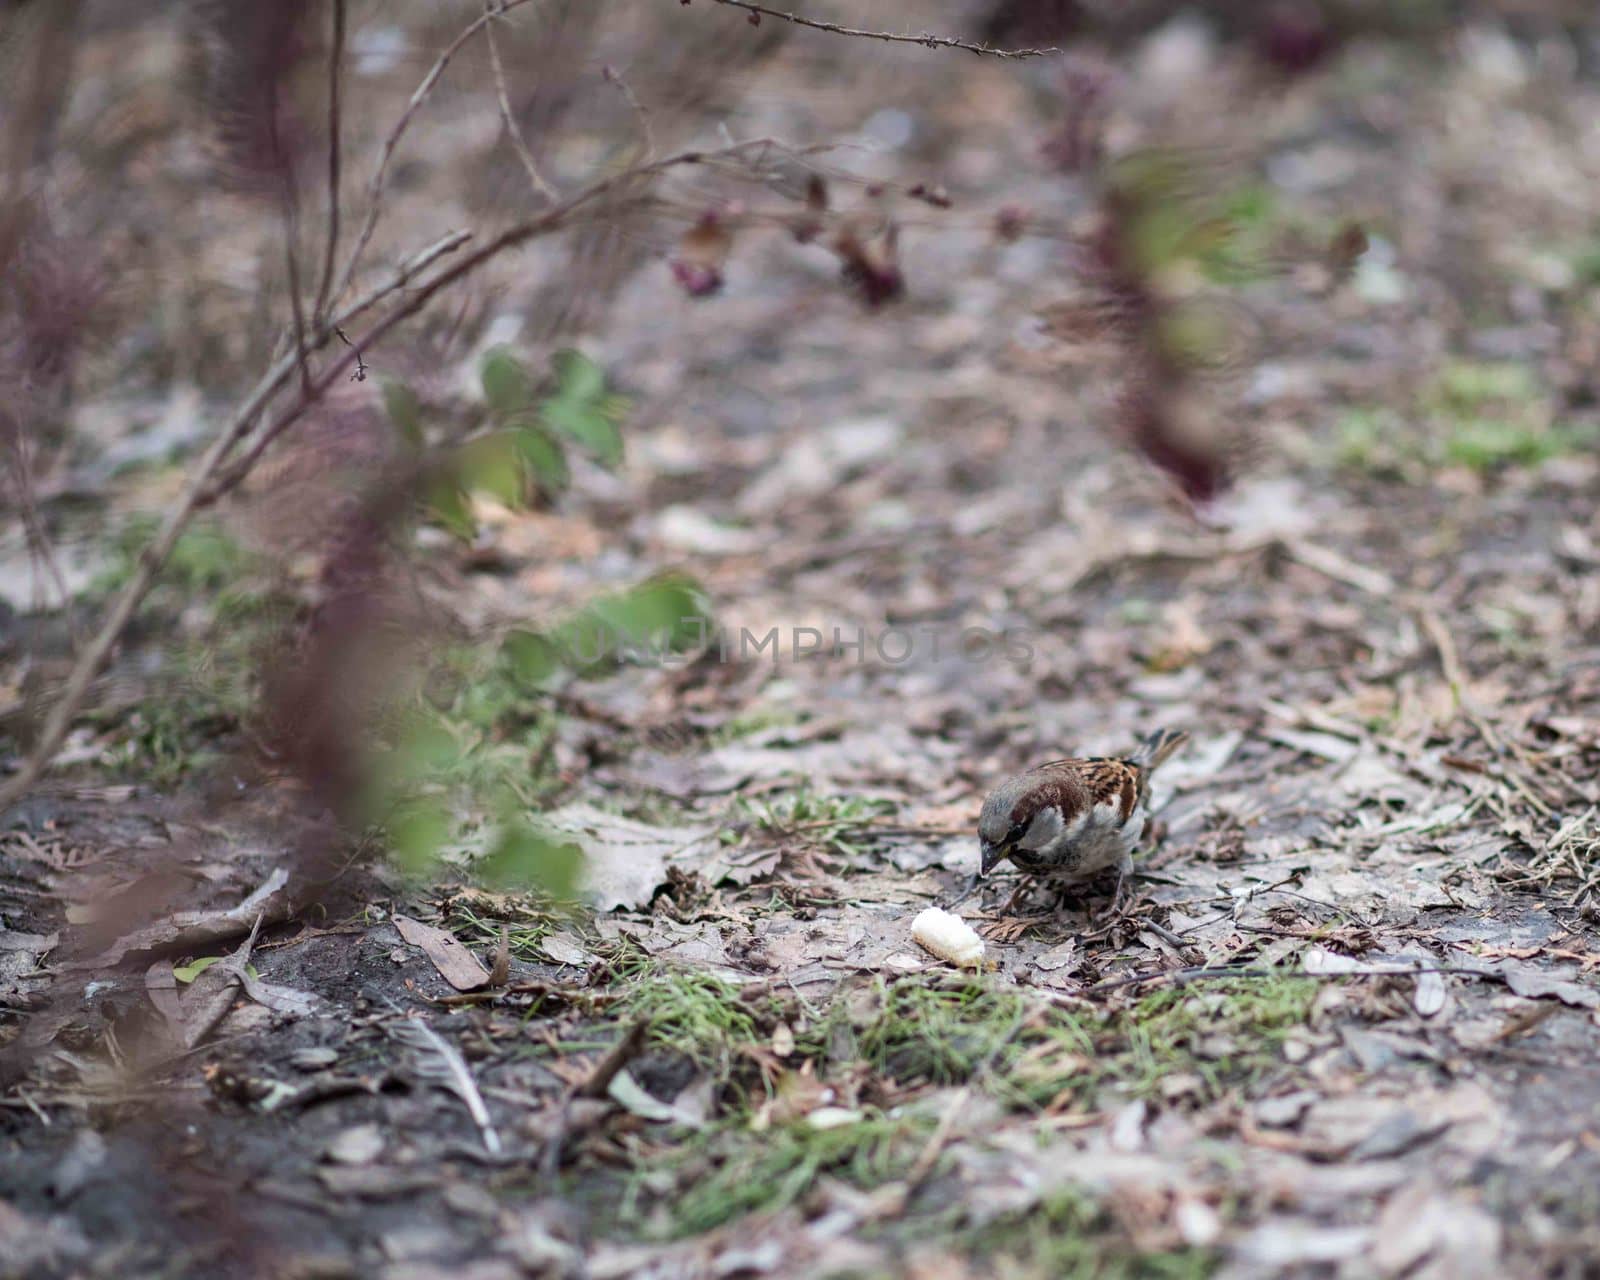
{"x": 205, "y": 560}
{"x": 201, "y": 687}
{"x": 465, "y": 760}
{"x": 531, "y": 423}
{"x": 1485, "y": 416}
{"x": 1178, "y": 219}
{"x": 470, "y": 760}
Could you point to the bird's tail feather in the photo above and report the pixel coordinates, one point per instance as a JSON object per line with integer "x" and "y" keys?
{"x": 1157, "y": 747}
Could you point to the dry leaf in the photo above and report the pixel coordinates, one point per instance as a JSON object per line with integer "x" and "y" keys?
{"x": 458, "y": 966}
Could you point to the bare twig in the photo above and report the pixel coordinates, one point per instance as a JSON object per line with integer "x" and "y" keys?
{"x": 540, "y": 185}
{"x": 415, "y": 266}
{"x": 268, "y": 903}
{"x": 360, "y": 375}
{"x": 958, "y": 1104}
{"x": 35, "y": 533}
{"x": 335, "y": 77}
{"x": 647, "y": 144}
{"x": 210, "y": 1011}
{"x": 1456, "y": 676}
{"x": 552, "y": 219}
{"x": 291, "y": 233}
{"x": 1332, "y": 565}
{"x": 380, "y": 176}
{"x": 598, "y": 1082}
{"x": 595, "y": 1086}
{"x": 926, "y": 39}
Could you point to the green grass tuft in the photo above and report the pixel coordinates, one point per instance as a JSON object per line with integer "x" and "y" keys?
{"x": 1485, "y": 416}
{"x": 1069, "y": 1234}
{"x": 732, "y": 1172}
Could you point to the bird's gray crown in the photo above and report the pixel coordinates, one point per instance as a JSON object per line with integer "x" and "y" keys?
{"x": 994, "y": 823}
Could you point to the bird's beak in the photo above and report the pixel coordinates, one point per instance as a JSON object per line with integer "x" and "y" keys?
{"x": 992, "y": 855}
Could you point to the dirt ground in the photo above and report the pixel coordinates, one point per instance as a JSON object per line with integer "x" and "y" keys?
{"x": 1350, "y": 1024}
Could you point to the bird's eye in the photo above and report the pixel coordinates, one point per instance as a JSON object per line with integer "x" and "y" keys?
{"x": 1018, "y": 830}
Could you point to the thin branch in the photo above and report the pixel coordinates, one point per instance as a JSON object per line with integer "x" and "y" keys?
{"x": 928, "y": 1157}
{"x": 296, "y": 308}
{"x": 926, "y": 39}
{"x": 598, "y": 1082}
{"x": 335, "y": 76}
{"x": 252, "y": 450}
{"x": 1456, "y": 677}
{"x": 420, "y": 95}
{"x": 595, "y": 1086}
{"x": 35, "y": 533}
{"x": 554, "y": 218}
{"x": 647, "y": 144}
{"x": 291, "y": 233}
{"x": 507, "y": 116}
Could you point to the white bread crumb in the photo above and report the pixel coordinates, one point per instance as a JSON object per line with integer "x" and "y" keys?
{"x": 948, "y": 937}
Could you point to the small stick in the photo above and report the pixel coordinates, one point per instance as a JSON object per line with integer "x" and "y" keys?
{"x": 927, "y": 40}
{"x": 291, "y": 233}
{"x": 923, "y": 1165}
{"x": 620, "y": 1055}
{"x": 419, "y": 95}
{"x": 647, "y": 145}
{"x": 973, "y": 886}
{"x": 1455, "y": 674}
{"x": 519, "y": 145}
{"x": 1331, "y": 565}
{"x": 335, "y": 76}
{"x": 595, "y": 1085}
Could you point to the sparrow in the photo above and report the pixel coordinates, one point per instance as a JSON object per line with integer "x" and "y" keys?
{"x": 1068, "y": 821}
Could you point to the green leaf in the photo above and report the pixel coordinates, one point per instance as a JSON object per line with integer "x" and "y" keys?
{"x": 425, "y": 747}
{"x": 492, "y": 464}
{"x": 663, "y": 609}
{"x": 447, "y": 505}
{"x": 533, "y": 657}
{"x": 405, "y": 411}
{"x": 506, "y": 385}
{"x": 544, "y": 457}
{"x": 189, "y": 972}
{"x": 527, "y": 858}
{"x": 577, "y": 376}
{"x": 416, "y": 834}
{"x": 666, "y": 614}
{"x": 582, "y": 410}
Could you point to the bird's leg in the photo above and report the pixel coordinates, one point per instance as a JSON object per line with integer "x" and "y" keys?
{"x": 1119, "y": 894}
{"x": 1023, "y": 886}
{"x": 972, "y": 888}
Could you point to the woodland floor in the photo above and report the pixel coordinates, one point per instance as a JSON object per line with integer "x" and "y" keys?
{"x": 1384, "y": 641}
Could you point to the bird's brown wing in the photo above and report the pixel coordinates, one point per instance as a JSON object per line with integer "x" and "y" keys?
{"x": 1076, "y": 784}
